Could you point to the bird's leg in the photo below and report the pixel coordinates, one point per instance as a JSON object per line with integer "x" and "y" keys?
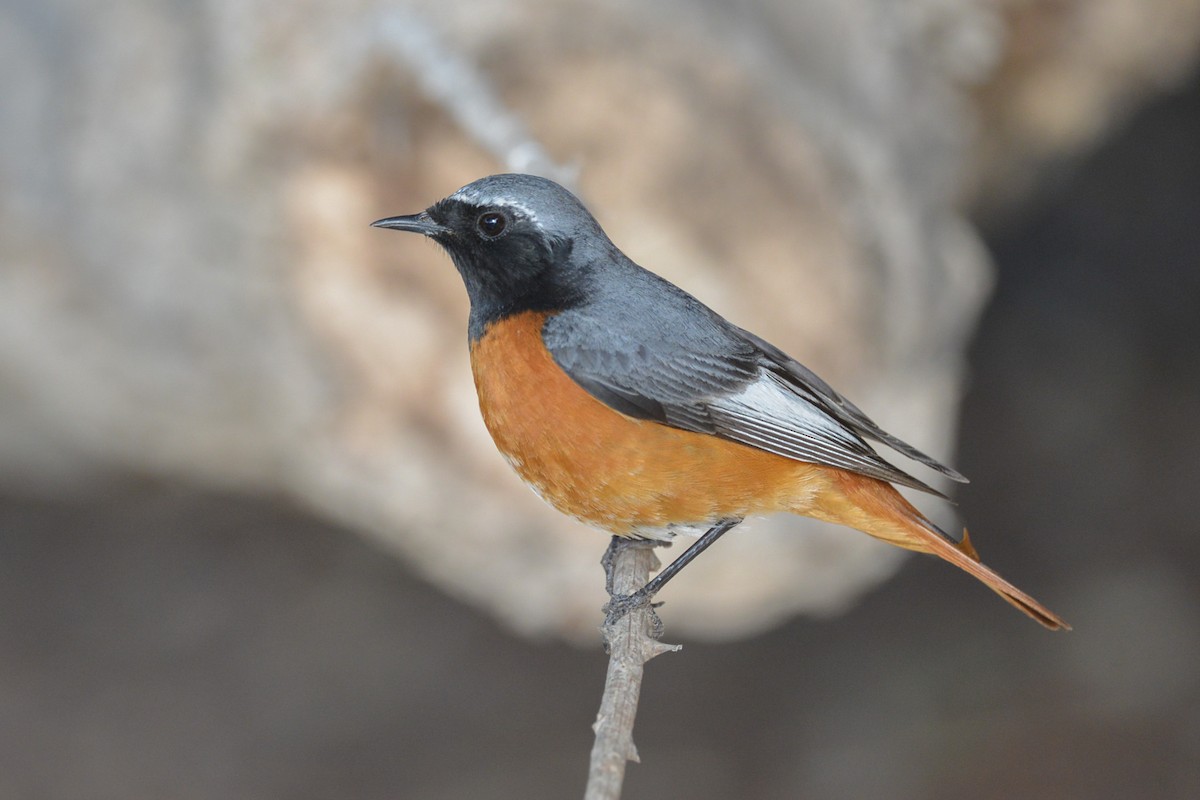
{"x": 609, "y": 562}
{"x": 626, "y": 602}
{"x": 618, "y": 607}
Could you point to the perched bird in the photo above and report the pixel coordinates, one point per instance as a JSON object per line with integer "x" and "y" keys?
{"x": 630, "y": 405}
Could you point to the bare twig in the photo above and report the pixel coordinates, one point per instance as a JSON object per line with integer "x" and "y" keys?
{"x": 631, "y": 641}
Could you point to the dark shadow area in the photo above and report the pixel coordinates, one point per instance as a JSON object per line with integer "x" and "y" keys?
{"x": 157, "y": 641}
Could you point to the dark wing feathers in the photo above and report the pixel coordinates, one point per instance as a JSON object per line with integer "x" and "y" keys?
{"x": 645, "y": 386}
{"x": 800, "y": 430}
{"x": 806, "y": 382}
{"x": 651, "y": 351}
{"x": 632, "y": 404}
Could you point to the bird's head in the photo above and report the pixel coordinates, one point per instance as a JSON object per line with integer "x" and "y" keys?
{"x": 520, "y": 242}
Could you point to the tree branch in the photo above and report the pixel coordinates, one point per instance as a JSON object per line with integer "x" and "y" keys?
{"x": 631, "y": 641}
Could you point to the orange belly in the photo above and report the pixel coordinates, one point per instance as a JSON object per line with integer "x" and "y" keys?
{"x": 622, "y": 474}
{"x": 635, "y": 478}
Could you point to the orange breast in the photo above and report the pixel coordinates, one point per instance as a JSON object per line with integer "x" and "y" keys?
{"x": 631, "y": 477}
{"x": 616, "y": 472}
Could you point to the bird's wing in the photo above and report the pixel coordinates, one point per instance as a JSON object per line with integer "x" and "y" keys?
{"x": 807, "y": 383}
{"x": 713, "y": 379}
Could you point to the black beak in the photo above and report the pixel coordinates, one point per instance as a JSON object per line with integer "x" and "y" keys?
{"x": 415, "y": 223}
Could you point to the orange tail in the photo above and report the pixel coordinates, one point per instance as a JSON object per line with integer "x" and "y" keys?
{"x": 875, "y": 507}
{"x": 964, "y": 556}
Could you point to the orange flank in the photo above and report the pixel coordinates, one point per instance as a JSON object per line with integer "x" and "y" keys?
{"x": 625, "y": 475}
{"x": 631, "y": 477}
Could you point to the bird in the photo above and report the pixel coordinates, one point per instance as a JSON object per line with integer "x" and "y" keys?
{"x": 630, "y": 405}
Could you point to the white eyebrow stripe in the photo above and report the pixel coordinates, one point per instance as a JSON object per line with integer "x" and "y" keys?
{"x": 469, "y": 195}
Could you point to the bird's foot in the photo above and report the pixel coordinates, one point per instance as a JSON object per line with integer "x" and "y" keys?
{"x": 620, "y": 606}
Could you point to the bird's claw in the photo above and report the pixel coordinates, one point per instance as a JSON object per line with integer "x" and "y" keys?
{"x": 619, "y": 606}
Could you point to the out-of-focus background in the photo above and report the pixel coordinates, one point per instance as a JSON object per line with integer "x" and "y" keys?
{"x": 254, "y": 541}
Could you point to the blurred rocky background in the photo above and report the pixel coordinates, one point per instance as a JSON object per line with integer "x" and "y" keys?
{"x": 254, "y": 541}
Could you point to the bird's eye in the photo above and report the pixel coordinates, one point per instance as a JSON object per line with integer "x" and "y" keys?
{"x": 491, "y": 224}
